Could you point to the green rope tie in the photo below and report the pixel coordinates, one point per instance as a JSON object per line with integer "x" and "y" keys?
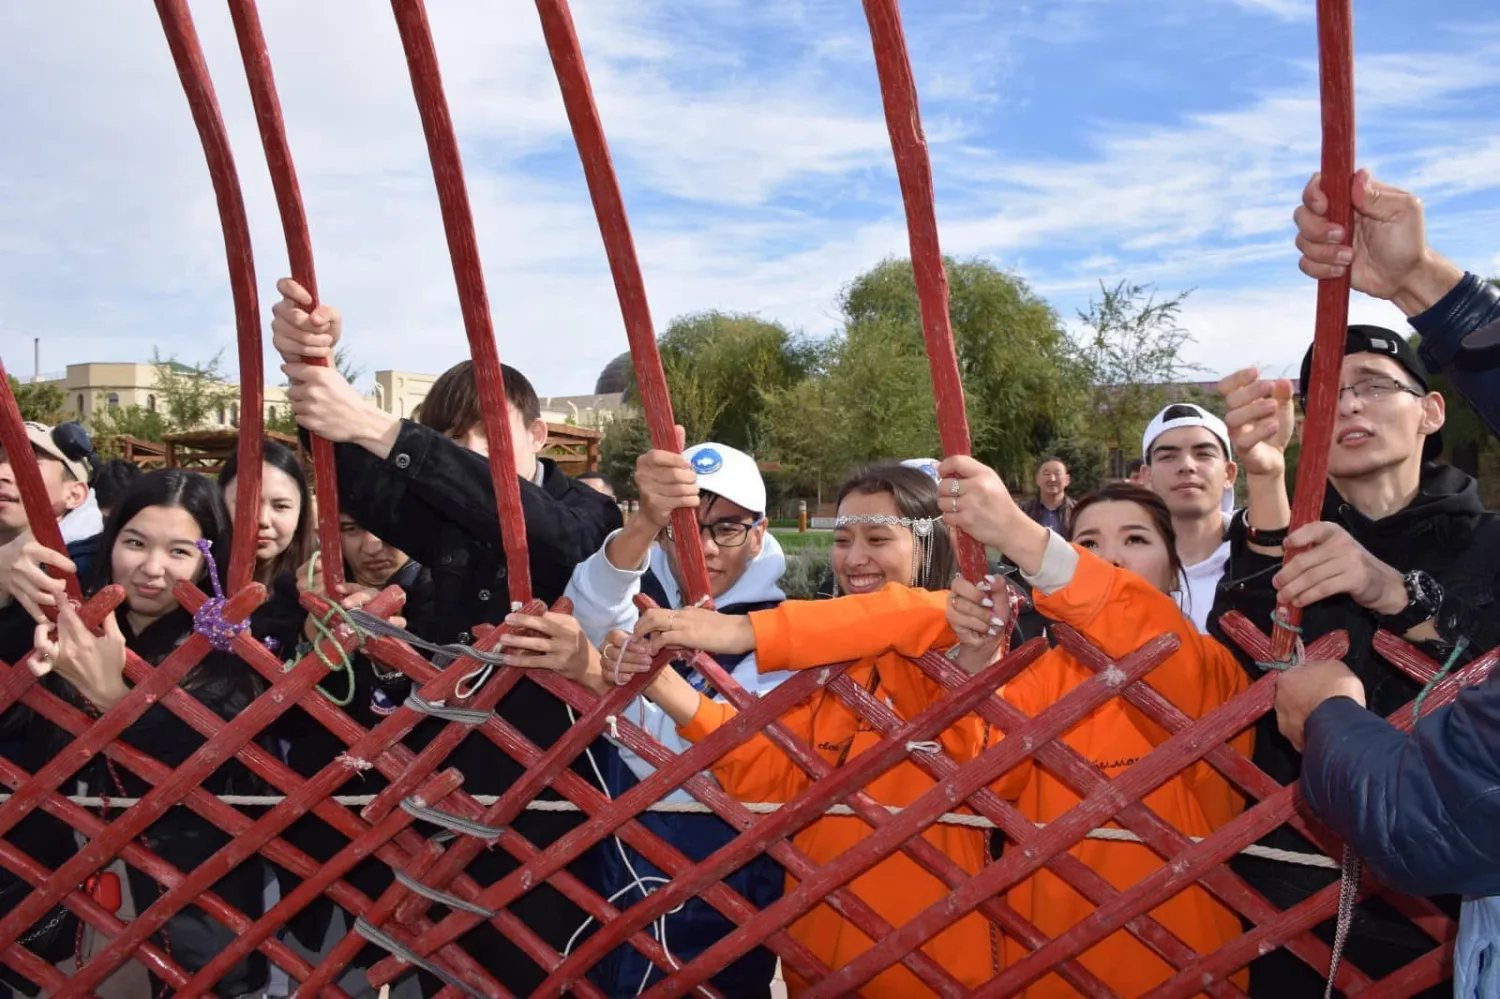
{"x": 1437, "y": 678}
{"x": 1295, "y": 659}
{"x": 322, "y": 626}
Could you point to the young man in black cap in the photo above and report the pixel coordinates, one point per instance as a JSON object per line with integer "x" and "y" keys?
{"x": 1404, "y": 544}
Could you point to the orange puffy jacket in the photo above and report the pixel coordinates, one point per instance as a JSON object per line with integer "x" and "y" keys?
{"x": 1115, "y": 610}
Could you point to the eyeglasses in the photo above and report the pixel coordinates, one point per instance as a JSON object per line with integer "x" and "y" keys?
{"x": 1376, "y": 389}
{"x": 725, "y": 533}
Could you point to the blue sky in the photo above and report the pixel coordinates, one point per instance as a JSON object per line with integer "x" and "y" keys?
{"x": 1073, "y": 141}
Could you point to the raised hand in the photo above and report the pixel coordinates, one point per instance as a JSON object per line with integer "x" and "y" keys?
{"x": 696, "y": 628}
{"x": 973, "y": 499}
{"x": 666, "y": 482}
{"x": 1261, "y": 420}
{"x": 623, "y": 656}
{"x": 1390, "y": 257}
{"x": 297, "y": 333}
{"x": 550, "y": 641}
{"x": 978, "y": 621}
{"x": 1300, "y": 690}
{"x": 93, "y": 664}
{"x": 23, "y": 577}
{"x": 326, "y": 404}
{"x": 1328, "y": 562}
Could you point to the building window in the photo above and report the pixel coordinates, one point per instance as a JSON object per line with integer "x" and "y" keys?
{"x": 221, "y": 416}
{"x": 151, "y": 403}
{"x": 113, "y": 400}
{"x": 234, "y": 414}
{"x": 80, "y": 404}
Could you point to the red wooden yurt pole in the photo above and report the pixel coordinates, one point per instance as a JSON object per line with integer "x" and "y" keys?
{"x": 29, "y": 477}
{"x": 609, "y": 209}
{"x": 1336, "y": 72}
{"x": 898, "y": 90}
{"x": 463, "y": 246}
{"x": 299, "y": 253}
{"x": 177, "y": 22}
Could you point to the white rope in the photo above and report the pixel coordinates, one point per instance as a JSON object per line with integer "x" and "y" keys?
{"x": 758, "y": 807}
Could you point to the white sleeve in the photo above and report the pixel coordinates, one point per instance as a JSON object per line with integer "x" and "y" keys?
{"x": 604, "y": 596}
{"x": 1059, "y": 562}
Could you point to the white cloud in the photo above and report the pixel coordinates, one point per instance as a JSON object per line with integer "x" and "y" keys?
{"x": 757, "y": 175}
{"x": 1285, "y": 10}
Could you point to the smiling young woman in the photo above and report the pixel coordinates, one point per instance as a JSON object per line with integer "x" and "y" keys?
{"x": 155, "y": 539}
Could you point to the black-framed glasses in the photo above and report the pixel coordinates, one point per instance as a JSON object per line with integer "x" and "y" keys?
{"x": 725, "y": 533}
{"x": 1377, "y": 389}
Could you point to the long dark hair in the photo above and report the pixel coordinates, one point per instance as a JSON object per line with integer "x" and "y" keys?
{"x": 916, "y": 496}
{"x": 1146, "y": 499}
{"x": 171, "y": 488}
{"x": 304, "y": 538}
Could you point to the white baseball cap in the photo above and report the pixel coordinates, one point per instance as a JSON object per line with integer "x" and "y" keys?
{"x": 730, "y": 473}
{"x": 928, "y": 465}
{"x": 1184, "y": 414}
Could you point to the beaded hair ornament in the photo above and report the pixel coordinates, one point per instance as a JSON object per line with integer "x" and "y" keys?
{"x": 922, "y": 530}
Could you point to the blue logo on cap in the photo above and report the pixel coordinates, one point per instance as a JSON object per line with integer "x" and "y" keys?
{"x": 708, "y": 461}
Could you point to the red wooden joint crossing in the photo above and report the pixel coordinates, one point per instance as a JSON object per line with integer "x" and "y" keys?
{"x": 383, "y": 829}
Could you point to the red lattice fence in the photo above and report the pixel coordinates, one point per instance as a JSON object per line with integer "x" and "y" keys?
{"x": 421, "y": 787}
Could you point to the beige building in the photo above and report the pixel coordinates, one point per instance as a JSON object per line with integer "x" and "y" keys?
{"x": 594, "y": 411}
{"x": 87, "y": 387}
{"x": 401, "y": 392}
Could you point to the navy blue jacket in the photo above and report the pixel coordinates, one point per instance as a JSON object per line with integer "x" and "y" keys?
{"x": 1423, "y": 809}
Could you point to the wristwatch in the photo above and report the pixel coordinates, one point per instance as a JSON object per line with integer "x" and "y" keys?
{"x": 1424, "y": 595}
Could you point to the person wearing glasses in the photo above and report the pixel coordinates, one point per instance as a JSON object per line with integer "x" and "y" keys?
{"x": 1404, "y": 544}
{"x": 723, "y": 486}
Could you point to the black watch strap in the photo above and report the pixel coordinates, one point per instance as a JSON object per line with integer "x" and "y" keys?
{"x": 1424, "y": 595}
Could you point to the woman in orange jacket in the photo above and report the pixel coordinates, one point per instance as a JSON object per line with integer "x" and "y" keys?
{"x": 1112, "y": 587}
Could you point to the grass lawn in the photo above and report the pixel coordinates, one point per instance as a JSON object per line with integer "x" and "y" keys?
{"x": 792, "y": 540}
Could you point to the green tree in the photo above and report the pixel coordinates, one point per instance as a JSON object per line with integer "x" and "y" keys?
{"x": 343, "y": 363}
{"x": 720, "y": 367}
{"x": 625, "y": 440}
{"x": 804, "y": 435}
{"x": 39, "y": 401}
{"x": 1021, "y": 378}
{"x": 1131, "y": 352}
{"x": 191, "y": 396}
{"x": 110, "y": 422}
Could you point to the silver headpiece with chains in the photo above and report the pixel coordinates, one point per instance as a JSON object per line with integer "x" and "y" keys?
{"x": 922, "y": 531}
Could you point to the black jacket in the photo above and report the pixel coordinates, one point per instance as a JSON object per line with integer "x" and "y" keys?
{"x": 434, "y": 500}
{"x": 1444, "y": 531}
{"x": 224, "y": 685}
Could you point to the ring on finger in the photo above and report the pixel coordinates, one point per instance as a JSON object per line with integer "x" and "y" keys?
{"x": 953, "y": 487}
{"x": 955, "y": 503}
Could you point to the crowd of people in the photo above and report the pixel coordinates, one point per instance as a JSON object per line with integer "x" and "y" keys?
{"x": 1404, "y": 544}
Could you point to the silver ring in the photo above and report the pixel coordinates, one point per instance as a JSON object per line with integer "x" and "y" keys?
{"x": 604, "y": 652}
{"x": 953, "y": 489}
{"x": 955, "y": 503}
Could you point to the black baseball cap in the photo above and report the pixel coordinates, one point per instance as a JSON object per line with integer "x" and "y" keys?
{"x": 1384, "y": 343}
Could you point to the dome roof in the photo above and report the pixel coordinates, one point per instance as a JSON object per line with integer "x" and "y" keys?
{"x": 615, "y": 376}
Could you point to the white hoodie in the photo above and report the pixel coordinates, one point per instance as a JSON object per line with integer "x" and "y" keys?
{"x": 604, "y": 600}
{"x": 83, "y": 521}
